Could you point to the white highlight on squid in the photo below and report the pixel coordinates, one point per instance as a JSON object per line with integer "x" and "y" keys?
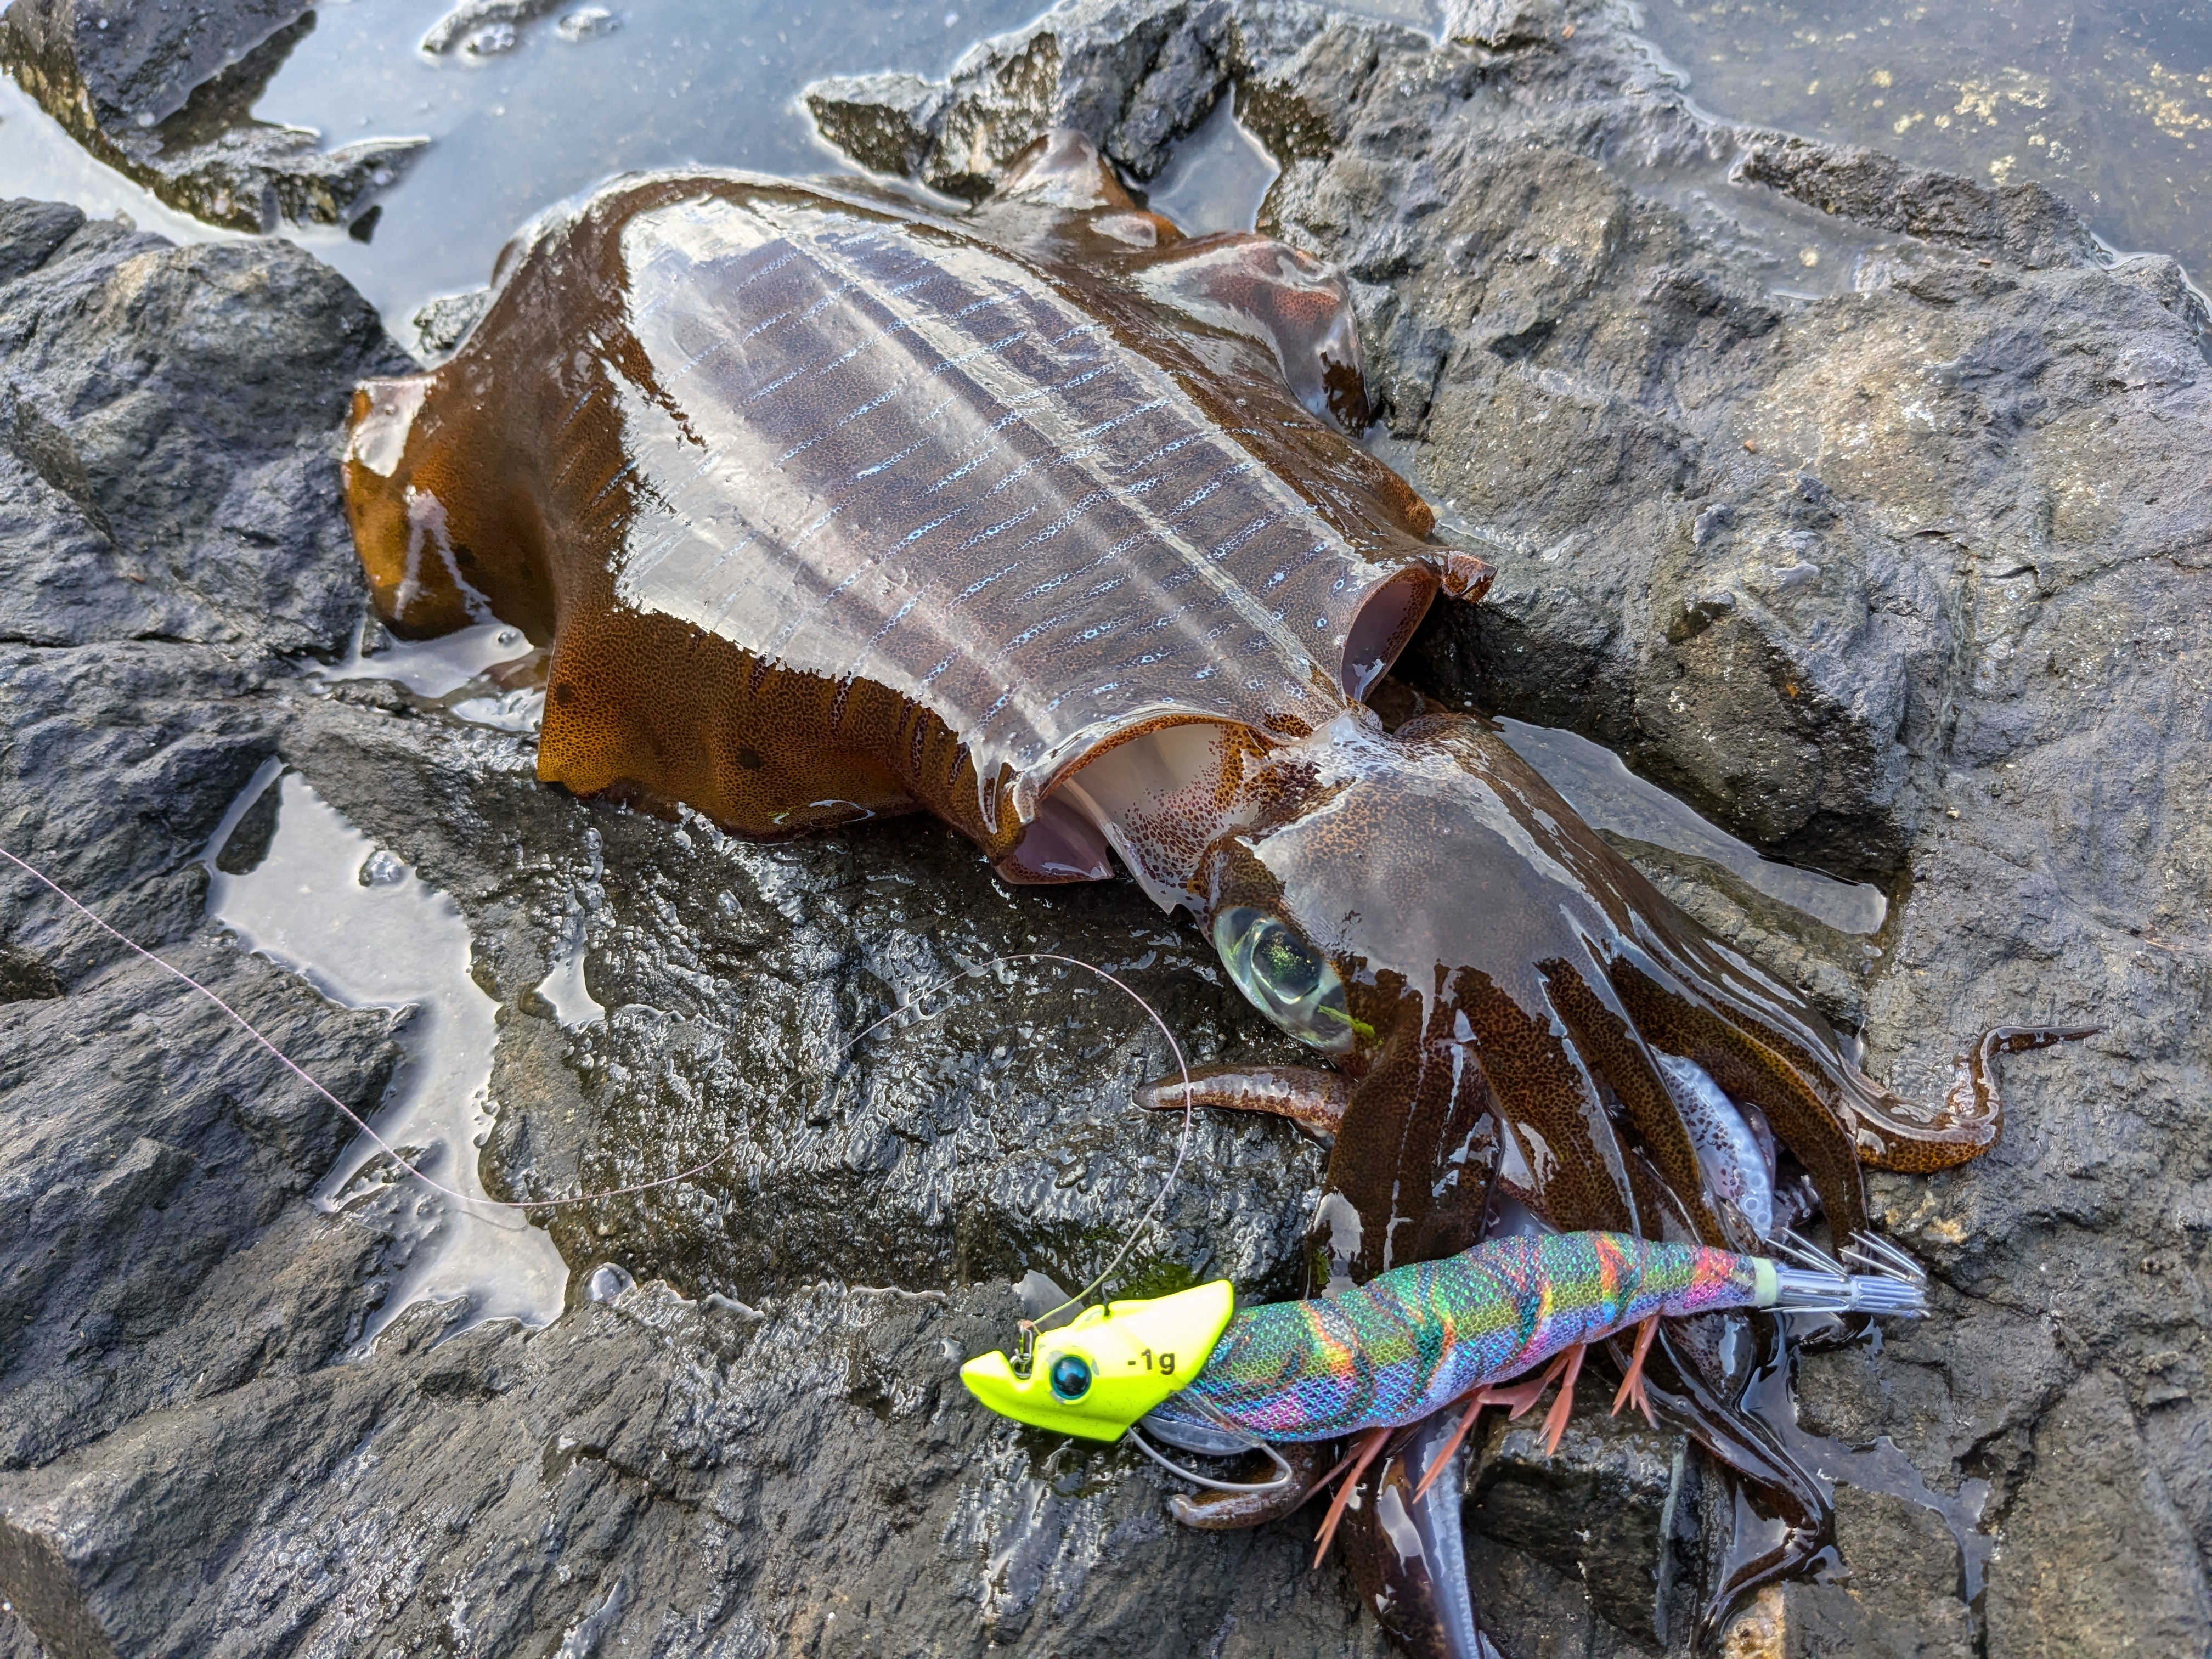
{"x": 1735, "y": 1163}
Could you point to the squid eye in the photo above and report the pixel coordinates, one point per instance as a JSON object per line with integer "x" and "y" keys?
{"x": 1288, "y": 966}
{"x": 1285, "y": 978}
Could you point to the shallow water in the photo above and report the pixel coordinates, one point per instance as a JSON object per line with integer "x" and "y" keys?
{"x": 429, "y": 668}
{"x": 688, "y": 81}
{"x": 1597, "y": 785}
{"x": 2110, "y": 103}
{"x": 2107, "y": 101}
{"x": 1216, "y": 179}
{"x": 37, "y": 159}
{"x": 682, "y": 81}
{"x": 365, "y": 931}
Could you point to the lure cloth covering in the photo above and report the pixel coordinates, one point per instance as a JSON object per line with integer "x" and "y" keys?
{"x": 1412, "y": 1340}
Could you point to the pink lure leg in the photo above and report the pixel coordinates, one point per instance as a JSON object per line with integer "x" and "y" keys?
{"x": 1632, "y": 1386}
{"x": 1521, "y": 1397}
{"x": 1361, "y": 1459}
{"x": 1475, "y": 1402}
{"x": 1555, "y": 1420}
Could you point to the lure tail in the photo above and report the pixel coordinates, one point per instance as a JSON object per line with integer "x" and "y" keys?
{"x": 1891, "y": 1287}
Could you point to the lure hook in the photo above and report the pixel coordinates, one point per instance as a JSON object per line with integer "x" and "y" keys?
{"x": 1283, "y": 1474}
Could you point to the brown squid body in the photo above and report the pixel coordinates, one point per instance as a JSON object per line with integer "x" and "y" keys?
{"x": 1047, "y": 520}
{"x": 830, "y": 508}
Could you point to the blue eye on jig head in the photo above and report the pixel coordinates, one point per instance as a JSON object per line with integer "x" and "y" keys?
{"x": 1071, "y": 1377}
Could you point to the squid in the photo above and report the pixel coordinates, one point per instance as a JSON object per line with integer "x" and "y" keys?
{"x": 1053, "y": 522}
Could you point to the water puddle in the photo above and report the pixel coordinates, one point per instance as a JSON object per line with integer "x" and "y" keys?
{"x": 2109, "y": 102}
{"x": 563, "y": 987}
{"x": 520, "y": 114}
{"x": 429, "y": 668}
{"x": 1881, "y": 1466}
{"x": 1217, "y": 178}
{"x": 1800, "y": 253}
{"x": 354, "y": 921}
{"x": 38, "y": 160}
{"x": 487, "y": 674}
{"x": 1611, "y": 797}
{"x": 551, "y": 112}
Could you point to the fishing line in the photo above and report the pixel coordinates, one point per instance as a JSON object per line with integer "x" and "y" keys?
{"x": 1143, "y": 1222}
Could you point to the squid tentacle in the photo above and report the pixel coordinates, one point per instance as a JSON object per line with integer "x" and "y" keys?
{"x": 1406, "y": 1549}
{"x": 1753, "y": 1061}
{"x": 1782, "y": 1520}
{"x": 1895, "y": 1135}
{"x": 1609, "y": 1043}
{"x": 1314, "y": 1099}
{"x": 1225, "y": 1511}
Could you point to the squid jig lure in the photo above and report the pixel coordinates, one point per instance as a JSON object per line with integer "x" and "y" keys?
{"x": 1198, "y": 1374}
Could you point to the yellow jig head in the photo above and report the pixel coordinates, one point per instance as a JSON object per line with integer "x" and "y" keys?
{"x": 1098, "y": 1374}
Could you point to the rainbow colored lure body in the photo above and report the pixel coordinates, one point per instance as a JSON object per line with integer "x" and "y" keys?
{"x": 1403, "y": 1346}
{"x": 1383, "y": 1360}
{"x": 1411, "y": 1341}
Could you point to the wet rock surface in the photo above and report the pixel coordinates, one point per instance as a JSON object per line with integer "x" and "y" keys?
{"x": 1134, "y": 77}
{"x": 752, "y": 1423}
{"x": 1891, "y": 561}
{"x": 165, "y": 94}
{"x": 165, "y": 451}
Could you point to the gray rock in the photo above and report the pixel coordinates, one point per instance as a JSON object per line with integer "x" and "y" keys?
{"x": 30, "y": 232}
{"x": 1616, "y": 1509}
{"x": 165, "y": 94}
{"x": 586, "y": 23}
{"x": 483, "y": 29}
{"x": 2077, "y": 1572}
{"x": 168, "y": 440}
{"x": 886, "y": 123}
{"x": 140, "y": 64}
{"x": 2026, "y": 223}
{"x": 444, "y": 322}
{"x": 16, "y": 1640}
{"x": 1135, "y": 75}
{"x": 1503, "y": 25}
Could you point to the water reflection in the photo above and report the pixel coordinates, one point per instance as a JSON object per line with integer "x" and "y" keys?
{"x": 1608, "y": 796}
{"x": 2108, "y": 103}
{"x": 523, "y": 114}
{"x": 366, "y": 931}
{"x": 684, "y": 82}
{"x": 38, "y": 160}
{"x": 1217, "y": 178}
